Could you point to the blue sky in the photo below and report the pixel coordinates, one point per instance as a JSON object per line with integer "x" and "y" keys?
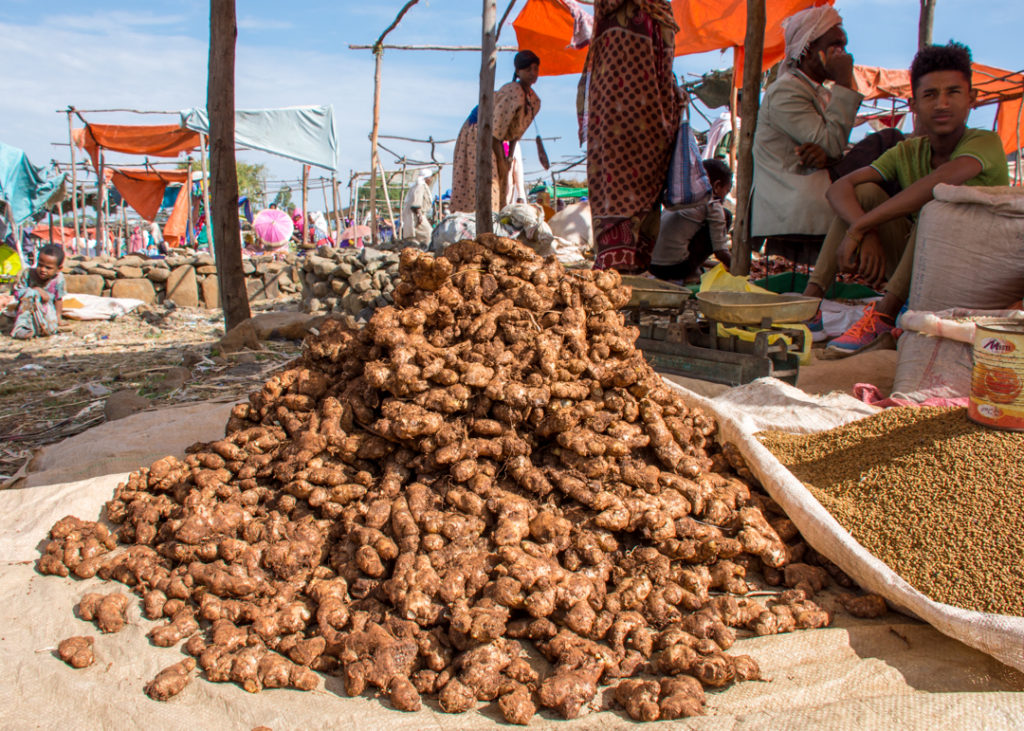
{"x": 123, "y": 53}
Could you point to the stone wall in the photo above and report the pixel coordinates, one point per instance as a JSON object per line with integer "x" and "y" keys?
{"x": 349, "y": 281}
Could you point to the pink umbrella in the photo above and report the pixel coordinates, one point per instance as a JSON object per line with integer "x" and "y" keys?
{"x": 273, "y": 226}
{"x": 354, "y": 232}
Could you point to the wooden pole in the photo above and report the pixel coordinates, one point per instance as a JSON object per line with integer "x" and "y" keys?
{"x": 337, "y": 213}
{"x": 485, "y": 120}
{"x": 220, "y": 103}
{"x": 753, "y": 51}
{"x": 74, "y": 181}
{"x": 400, "y": 233}
{"x": 101, "y": 220}
{"x": 305, "y": 202}
{"x": 189, "y": 232}
{"x": 355, "y": 214}
{"x": 374, "y": 155}
{"x": 124, "y": 224}
{"x": 60, "y": 214}
{"x": 378, "y": 53}
{"x": 205, "y": 183}
{"x": 924, "y": 23}
{"x": 387, "y": 199}
{"x": 733, "y": 126}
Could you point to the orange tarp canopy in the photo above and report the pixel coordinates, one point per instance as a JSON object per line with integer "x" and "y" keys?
{"x": 177, "y": 223}
{"x": 158, "y": 140}
{"x": 143, "y": 189}
{"x": 545, "y": 27}
{"x": 60, "y": 233}
{"x": 992, "y": 85}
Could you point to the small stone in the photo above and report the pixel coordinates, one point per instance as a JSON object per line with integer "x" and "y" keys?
{"x": 182, "y": 288}
{"x": 158, "y": 274}
{"x": 127, "y": 272}
{"x": 211, "y": 293}
{"x": 360, "y": 282}
{"x": 136, "y": 289}
{"x": 123, "y": 403}
{"x": 84, "y": 284}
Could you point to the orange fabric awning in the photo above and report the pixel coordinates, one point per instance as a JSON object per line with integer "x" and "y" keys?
{"x": 1010, "y": 125}
{"x": 143, "y": 189}
{"x": 878, "y": 83}
{"x": 545, "y": 27}
{"x": 61, "y": 234}
{"x": 176, "y": 224}
{"x": 158, "y": 140}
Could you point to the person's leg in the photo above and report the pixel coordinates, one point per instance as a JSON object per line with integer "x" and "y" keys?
{"x": 869, "y": 196}
{"x": 699, "y": 249}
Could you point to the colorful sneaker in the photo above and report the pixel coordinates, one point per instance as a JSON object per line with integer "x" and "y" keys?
{"x": 871, "y": 331}
{"x": 817, "y": 327}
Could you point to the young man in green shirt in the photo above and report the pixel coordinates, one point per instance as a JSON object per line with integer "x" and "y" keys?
{"x": 873, "y": 234}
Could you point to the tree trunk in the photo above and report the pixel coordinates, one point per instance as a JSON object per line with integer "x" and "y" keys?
{"x": 485, "y": 120}
{"x": 924, "y": 24}
{"x": 753, "y": 52}
{"x": 220, "y": 104}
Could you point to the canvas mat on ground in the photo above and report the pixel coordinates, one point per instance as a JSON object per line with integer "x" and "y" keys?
{"x": 893, "y": 672}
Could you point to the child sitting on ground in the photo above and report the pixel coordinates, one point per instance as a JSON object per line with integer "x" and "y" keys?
{"x": 40, "y": 295}
{"x": 874, "y": 234}
{"x": 690, "y": 234}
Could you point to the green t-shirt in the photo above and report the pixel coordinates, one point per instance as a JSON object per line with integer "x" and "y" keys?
{"x": 911, "y": 160}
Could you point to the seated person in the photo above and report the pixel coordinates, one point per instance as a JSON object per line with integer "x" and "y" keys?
{"x": 40, "y": 294}
{"x": 801, "y": 126}
{"x": 873, "y": 234}
{"x": 690, "y": 234}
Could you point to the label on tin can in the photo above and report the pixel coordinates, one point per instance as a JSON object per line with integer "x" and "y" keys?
{"x": 997, "y": 381}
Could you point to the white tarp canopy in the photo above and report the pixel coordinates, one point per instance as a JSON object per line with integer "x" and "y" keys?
{"x": 305, "y": 134}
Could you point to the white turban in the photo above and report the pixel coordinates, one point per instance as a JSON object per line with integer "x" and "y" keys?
{"x": 803, "y": 28}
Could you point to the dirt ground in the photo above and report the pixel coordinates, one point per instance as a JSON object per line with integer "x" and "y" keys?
{"x": 52, "y": 388}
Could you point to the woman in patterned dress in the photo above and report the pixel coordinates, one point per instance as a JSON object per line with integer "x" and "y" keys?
{"x": 515, "y": 106}
{"x": 629, "y": 107}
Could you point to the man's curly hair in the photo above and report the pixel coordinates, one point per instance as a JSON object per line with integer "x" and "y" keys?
{"x": 951, "y": 57}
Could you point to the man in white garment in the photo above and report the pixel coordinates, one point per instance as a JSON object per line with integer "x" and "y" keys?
{"x": 803, "y": 126}
{"x": 416, "y": 210}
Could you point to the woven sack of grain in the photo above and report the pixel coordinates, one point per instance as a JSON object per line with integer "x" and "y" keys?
{"x": 998, "y": 635}
{"x": 969, "y": 255}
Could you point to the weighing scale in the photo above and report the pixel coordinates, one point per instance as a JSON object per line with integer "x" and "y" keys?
{"x": 747, "y": 346}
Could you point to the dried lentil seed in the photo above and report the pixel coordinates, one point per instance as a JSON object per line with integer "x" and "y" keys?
{"x": 935, "y": 496}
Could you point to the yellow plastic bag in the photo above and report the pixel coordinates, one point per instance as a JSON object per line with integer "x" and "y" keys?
{"x": 749, "y": 334}
{"x": 720, "y": 280}
{"x": 10, "y": 264}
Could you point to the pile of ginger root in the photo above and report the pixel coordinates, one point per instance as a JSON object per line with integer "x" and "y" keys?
{"x": 487, "y": 465}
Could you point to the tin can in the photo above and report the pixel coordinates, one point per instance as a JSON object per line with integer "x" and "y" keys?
{"x": 997, "y": 381}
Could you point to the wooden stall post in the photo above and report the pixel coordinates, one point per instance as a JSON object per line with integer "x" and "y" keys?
{"x": 753, "y": 50}
{"x": 190, "y": 231}
{"x": 387, "y": 197}
{"x": 924, "y": 24}
{"x": 74, "y": 180}
{"x": 101, "y": 220}
{"x": 378, "y": 54}
{"x": 305, "y": 203}
{"x": 485, "y": 120}
{"x": 337, "y": 213}
{"x": 202, "y": 159}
